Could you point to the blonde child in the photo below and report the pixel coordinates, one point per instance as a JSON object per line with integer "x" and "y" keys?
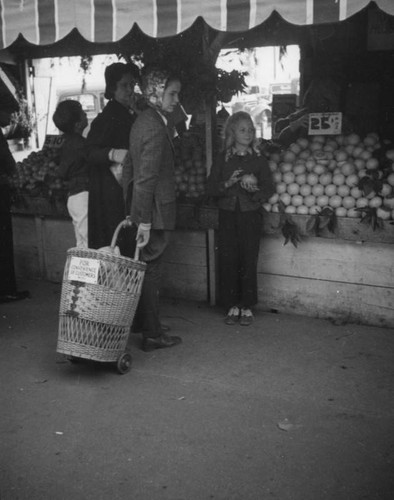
{"x": 71, "y": 119}
{"x": 241, "y": 181}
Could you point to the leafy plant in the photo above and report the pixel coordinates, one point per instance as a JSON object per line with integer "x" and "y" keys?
{"x": 288, "y": 227}
{"x": 325, "y": 218}
{"x": 370, "y": 217}
{"x": 22, "y": 121}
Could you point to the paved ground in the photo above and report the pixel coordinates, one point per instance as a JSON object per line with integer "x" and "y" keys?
{"x": 291, "y": 408}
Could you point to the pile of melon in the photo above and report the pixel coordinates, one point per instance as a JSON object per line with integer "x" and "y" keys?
{"x": 325, "y": 171}
{"x": 37, "y": 174}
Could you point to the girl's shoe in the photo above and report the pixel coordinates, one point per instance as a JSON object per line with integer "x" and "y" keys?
{"x": 246, "y": 318}
{"x": 232, "y": 316}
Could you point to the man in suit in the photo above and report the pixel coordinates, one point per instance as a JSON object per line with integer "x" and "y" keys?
{"x": 8, "y": 288}
{"x": 153, "y": 205}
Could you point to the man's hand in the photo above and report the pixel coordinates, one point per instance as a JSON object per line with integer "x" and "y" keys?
{"x": 117, "y": 155}
{"x": 143, "y": 235}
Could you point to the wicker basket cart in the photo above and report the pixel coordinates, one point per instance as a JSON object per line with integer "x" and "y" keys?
{"x": 100, "y": 293}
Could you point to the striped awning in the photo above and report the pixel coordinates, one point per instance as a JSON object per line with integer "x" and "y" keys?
{"x": 43, "y": 22}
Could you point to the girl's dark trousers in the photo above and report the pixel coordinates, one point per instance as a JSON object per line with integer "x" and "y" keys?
{"x": 238, "y": 250}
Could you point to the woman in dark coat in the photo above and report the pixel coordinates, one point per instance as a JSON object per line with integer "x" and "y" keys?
{"x": 107, "y": 146}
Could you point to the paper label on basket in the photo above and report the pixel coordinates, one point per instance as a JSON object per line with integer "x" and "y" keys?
{"x": 85, "y": 270}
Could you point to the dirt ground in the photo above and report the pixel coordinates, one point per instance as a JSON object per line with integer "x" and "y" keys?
{"x": 290, "y": 408}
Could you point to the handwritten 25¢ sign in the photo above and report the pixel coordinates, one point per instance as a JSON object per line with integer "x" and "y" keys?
{"x": 325, "y": 123}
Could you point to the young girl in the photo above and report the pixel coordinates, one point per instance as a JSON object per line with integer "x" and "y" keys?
{"x": 241, "y": 181}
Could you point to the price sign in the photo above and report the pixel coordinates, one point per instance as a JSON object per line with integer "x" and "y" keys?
{"x": 85, "y": 270}
{"x": 53, "y": 141}
{"x": 325, "y": 123}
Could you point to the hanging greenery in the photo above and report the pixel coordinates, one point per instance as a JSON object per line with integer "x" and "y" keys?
{"x": 200, "y": 78}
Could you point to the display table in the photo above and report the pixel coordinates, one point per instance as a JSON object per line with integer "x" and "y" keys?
{"x": 346, "y": 276}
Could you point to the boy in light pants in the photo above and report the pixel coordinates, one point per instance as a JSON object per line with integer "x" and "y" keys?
{"x": 71, "y": 119}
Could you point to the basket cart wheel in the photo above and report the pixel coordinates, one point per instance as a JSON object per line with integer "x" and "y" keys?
{"x": 73, "y": 359}
{"x": 124, "y": 363}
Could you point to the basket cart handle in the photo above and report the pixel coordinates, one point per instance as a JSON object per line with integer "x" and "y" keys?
{"x": 125, "y": 223}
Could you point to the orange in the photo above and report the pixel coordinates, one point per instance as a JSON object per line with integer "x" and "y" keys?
{"x": 340, "y": 155}
{"x": 362, "y": 202}
{"x": 340, "y": 212}
{"x": 330, "y": 190}
{"x": 314, "y": 209}
{"x": 356, "y": 193}
{"x": 285, "y": 198}
{"x": 288, "y": 177}
{"x": 390, "y": 154}
{"x": 386, "y": 189}
{"x": 295, "y": 148}
{"x": 302, "y": 142}
{"x": 309, "y": 164}
{"x": 335, "y": 201}
{"x": 359, "y": 163}
{"x": 274, "y": 199}
{"x": 348, "y": 202}
{"x": 348, "y": 168}
{"x": 338, "y": 179}
{"x": 352, "y": 180}
{"x": 300, "y": 179}
{"x": 325, "y": 179}
{"x": 390, "y": 179}
{"x": 319, "y": 169}
{"x": 289, "y": 156}
{"x": 310, "y": 200}
{"x": 383, "y": 213}
{"x": 372, "y": 164}
{"x": 312, "y": 178}
{"x": 352, "y": 139}
{"x": 315, "y": 146}
{"x": 357, "y": 151}
{"x": 299, "y": 168}
{"x": 370, "y": 140}
{"x": 389, "y": 202}
{"x": 353, "y": 213}
{"x": 303, "y": 210}
{"x": 305, "y": 189}
{"x": 375, "y": 202}
{"x": 285, "y": 167}
{"x": 366, "y": 155}
{"x": 297, "y": 200}
{"x": 290, "y": 209}
{"x": 277, "y": 176}
{"x": 304, "y": 155}
{"x": 275, "y": 208}
{"x": 318, "y": 189}
{"x": 322, "y": 201}
{"x": 343, "y": 190}
{"x": 293, "y": 188}
{"x": 281, "y": 187}
{"x": 267, "y": 207}
{"x": 272, "y": 165}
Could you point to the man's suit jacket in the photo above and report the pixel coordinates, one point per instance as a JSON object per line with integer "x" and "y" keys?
{"x": 152, "y": 157}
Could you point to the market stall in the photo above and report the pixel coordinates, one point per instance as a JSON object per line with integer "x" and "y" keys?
{"x": 334, "y": 263}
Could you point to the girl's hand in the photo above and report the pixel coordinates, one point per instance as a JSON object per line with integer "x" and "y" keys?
{"x": 235, "y": 177}
{"x": 249, "y": 183}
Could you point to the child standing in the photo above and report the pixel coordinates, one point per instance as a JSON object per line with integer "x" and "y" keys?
{"x": 241, "y": 181}
{"x": 71, "y": 119}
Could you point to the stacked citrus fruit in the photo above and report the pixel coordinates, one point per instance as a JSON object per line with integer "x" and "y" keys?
{"x": 326, "y": 171}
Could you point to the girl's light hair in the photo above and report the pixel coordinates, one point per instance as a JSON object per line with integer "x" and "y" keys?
{"x": 229, "y": 132}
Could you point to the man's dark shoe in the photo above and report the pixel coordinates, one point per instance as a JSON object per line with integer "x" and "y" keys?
{"x": 15, "y": 296}
{"x": 160, "y": 342}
